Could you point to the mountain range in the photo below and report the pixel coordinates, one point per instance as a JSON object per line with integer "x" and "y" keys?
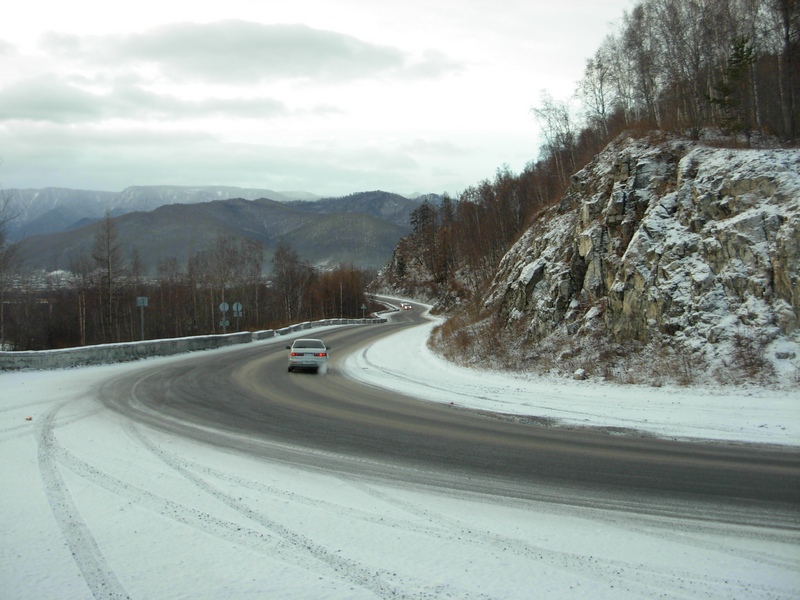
{"x": 57, "y": 227}
{"x": 50, "y": 210}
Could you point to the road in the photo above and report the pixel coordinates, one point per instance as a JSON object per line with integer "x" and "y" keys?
{"x": 247, "y": 401}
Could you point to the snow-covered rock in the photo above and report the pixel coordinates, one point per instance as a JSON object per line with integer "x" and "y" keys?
{"x": 691, "y": 246}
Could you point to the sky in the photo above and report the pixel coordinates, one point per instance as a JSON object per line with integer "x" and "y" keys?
{"x": 324, "y": 97}
{"x": 97, "y": 505}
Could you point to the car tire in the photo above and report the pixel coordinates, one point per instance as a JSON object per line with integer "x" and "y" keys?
{"x": 290, "y": 369}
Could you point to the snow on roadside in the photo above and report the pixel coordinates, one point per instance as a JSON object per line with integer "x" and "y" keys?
{"x": 403, "y": 362}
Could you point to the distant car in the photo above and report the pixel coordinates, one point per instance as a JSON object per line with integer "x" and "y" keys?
{"x": 308, "y": 354}
{"x": 405, "y": 306}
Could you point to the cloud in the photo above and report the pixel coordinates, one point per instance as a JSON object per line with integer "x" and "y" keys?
{"x": 61, "y": 44}
{"x": 136, "y": 101}
{"x": 240, "y": 51}
{"x": 7, "y": 48}
{"x": 47, "y": 99}
{"x": 244, "y": 52}
{"x": 432, "y": 65}
{"x": 51, "y": 99}
{"x": 153, "y": 75}
{"x": 435, "y": 148}
{"x": 111, "y": 159}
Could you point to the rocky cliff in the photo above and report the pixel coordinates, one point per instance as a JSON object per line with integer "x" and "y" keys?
{"x": 661, "y": 248}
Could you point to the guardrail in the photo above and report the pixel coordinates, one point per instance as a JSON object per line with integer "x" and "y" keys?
{"x": 129, "y": 351}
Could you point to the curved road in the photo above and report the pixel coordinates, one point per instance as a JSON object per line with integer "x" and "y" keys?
{"x": 247, "y": 400}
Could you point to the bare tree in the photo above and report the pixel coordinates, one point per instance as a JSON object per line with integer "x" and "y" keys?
{"x": 81, "y": 268}
{"x": 788, "y": 32}
{"x": 643, "y": 48}
{"x": 621, "y": 77}
{"x": 252, "y": 253}
{"x": 687, "y": 65}
{"x": 7, "y": 254}
{"x": 595, "y": 90}
{"x": 107, "y": 256}
{"x": 560, "y": 132}
{"x": 223, "y": 263}
{"x": 174, "y": 307}
{"x": 291, "y": 277}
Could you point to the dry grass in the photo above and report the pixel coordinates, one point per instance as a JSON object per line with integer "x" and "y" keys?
{"x": 487, "y": 343}
{"x": 473, "y": 337}
{"x": 748, "y": 361}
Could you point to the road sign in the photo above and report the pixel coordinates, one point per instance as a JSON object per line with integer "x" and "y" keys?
{"x": 224, "y": 307}
{"x": 237, "y": 309}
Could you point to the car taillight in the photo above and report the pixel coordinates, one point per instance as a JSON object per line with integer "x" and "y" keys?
{"x": 296, "y": 354}
{"x": 320, "y": 354}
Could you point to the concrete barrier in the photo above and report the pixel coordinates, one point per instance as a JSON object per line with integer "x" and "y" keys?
{"x": 263, "y": 335}
{"x": 112, "y": 353}
{"x": 128, "y": 351}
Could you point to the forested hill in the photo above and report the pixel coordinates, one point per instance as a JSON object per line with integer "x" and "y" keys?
{"x": 334, "y": 233}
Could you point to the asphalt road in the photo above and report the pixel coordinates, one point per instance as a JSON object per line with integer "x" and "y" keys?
{"x": 247, "y": 401}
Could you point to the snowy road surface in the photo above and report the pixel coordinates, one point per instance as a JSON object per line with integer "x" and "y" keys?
{"x": 96, "y": 505}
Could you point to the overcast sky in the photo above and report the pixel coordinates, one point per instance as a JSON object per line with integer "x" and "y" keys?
{"x": 329, "y": 97}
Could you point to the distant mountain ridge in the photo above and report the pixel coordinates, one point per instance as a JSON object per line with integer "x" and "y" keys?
{"x": 361, "y": 229}
{"x": 383, "y": 205}
{"x": 51, "y": 210}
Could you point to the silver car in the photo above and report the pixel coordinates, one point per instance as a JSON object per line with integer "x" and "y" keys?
{"x": 308, "y": 354}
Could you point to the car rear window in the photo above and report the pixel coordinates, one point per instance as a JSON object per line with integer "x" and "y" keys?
{"x": 308, "y": 344}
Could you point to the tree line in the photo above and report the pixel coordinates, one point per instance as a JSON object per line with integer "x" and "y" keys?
{"x": 96, "y": 301}
{"x": 691, "y": 67}
{"x": 456, "y": 244}
{"x": 722, "y": 69}
{"x": 7, "y": 252}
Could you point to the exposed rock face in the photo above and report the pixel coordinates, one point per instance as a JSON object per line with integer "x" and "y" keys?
{"x": 668, "y": 239}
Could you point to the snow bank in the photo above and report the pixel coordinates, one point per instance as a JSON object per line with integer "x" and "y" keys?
{"x": 404, "y": 363}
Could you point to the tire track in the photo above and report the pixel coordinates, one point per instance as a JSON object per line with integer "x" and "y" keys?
{"x": 207, "y": 523}
{"x": 642, "y": 579}
{"x": 614, "y": 573}
{"x": 97, "y": 573}
{"x": 411, "y": 525}
{"x": 26, "y": 406}
{"x": 24, "y": 429}
{"x": 14, "y": 432}
{"x": 302, "y": 545}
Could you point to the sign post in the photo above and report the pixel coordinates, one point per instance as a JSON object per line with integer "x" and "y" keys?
{"x": 237, "y": 312}
{"x": 223, "y": 308}
{"x": 363, "y": 308}
{"x": 141, "y": 302}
